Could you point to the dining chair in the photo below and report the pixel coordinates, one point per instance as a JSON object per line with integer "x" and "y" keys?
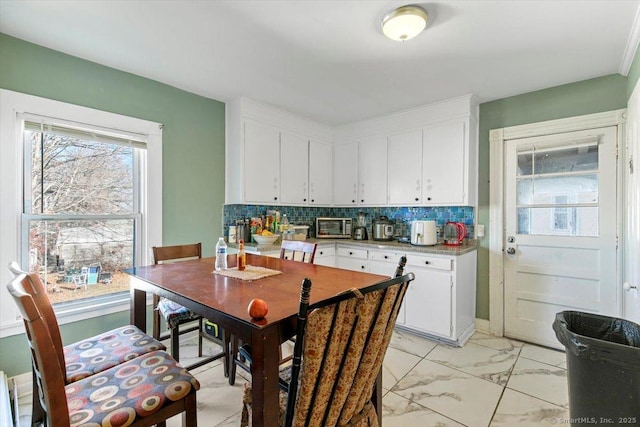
{"x": 89, "y": 356}
{"x": 175, "y": 314}
{"x": 240, "y": 355}
{"x": 332, "y": 380}
{"x": 144, "y": 391}
{"x": 298, "y": 250}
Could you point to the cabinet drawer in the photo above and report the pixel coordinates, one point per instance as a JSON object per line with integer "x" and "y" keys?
{"x": 353, "y": 253}
{"x": 390, "y": 257}
{"x": 430, "y": 262}
{"x": 325, "y": 251}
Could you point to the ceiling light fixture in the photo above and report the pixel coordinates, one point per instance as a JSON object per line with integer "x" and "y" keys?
{"x": 404, "y": 23}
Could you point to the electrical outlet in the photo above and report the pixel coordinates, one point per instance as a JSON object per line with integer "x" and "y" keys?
{"x": 480, "y": 230}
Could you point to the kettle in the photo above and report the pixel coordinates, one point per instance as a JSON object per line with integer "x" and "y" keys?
{"x": 423, "y": 233}
{"x": 454, "y": 233}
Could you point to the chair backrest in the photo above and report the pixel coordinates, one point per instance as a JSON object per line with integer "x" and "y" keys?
{"x": 292, "y": 248}
{"x": 32, "y": 285}
{"x": 50, "y": 373}
{"x": 335, "y": 377}
{"x": 169, "y": 253}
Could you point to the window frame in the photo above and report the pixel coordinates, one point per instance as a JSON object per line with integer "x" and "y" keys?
{"x": 14, "y": 107}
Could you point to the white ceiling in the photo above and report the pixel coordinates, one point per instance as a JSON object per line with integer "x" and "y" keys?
{"x": 328, "y": 60}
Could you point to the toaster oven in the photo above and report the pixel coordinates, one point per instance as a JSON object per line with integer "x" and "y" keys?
{"x": 333, "y": 228}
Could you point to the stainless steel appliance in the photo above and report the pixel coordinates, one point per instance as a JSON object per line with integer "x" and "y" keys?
{"x": 333, "y": 228}
{"x": 382, "y": 228}
{"x": 454, "y": 233}
{"x": 424, "y": 233}
{"x": 360, "y": 230}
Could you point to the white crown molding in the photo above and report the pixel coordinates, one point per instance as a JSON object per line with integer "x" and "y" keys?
{"x": 632, "y": 46}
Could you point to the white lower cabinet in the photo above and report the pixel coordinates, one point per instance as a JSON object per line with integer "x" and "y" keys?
{"x": 440, "y": 302}
{"x": 325, "y": 255}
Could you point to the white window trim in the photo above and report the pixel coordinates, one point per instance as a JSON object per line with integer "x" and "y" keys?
{"x": 12, "y": 104}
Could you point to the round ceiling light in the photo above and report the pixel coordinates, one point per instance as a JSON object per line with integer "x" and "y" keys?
{"x": 404, "y": 23}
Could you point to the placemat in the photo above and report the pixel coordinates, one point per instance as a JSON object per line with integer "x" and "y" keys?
{"x": 249, "y": 273}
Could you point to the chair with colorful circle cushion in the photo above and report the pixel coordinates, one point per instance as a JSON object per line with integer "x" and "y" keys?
{"x": 175, "y": 314}
{"x": 88, "y": 356}
{"x": 141, "y": 392}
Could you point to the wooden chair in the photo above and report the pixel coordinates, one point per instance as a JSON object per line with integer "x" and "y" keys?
{"x": 295, "y": 250}
{"x": 146, "y": 390}
{"x": 175, "y": 314}
{"x": 88, "y": 356}
{"x": 332, "y": 380}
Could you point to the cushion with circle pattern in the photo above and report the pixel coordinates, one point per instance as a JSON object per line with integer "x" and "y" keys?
{"x": 96, "y": 354}
{"x": 125, "y": 393}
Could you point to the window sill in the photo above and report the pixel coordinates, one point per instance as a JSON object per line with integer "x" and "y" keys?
{"x": 75, "y": 311}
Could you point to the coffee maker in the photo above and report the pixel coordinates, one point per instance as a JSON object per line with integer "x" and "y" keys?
{"x": 360, "y": 229}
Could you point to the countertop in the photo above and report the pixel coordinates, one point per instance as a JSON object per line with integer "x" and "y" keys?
{"x": 440, "y": 249}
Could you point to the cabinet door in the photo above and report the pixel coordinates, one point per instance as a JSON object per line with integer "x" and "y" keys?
{"x": 404, "y": 163}
{"x": 261, "y": 163}
{"x": 353, "y": 264}
{"x": 345, "y": 174}
{"x": 294, "y": 168}
{"x": 443, "y": 165}
{"x": 320, "y": 173}
{"x": 372, "y": 167}
{"x": 428, "y": 302}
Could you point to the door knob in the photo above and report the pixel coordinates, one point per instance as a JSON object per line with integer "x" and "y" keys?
{"x": 628, "y": 286}
{"x": 511, "y": 251}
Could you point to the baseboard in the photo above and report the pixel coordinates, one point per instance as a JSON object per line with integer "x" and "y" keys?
{"x": 482, "y": 325}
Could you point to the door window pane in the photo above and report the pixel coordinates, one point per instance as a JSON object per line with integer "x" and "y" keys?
{"x": 574, "y": 159}
{"x": 525, "y": 164}
{"x": 578, "y": 189}
{"x": 565, "y": 221}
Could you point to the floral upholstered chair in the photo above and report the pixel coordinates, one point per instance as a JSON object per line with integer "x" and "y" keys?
{"x": 332, "y": 380}
{"x": 146, "y": 390}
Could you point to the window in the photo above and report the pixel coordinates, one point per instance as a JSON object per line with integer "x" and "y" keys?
{"x": 77, "y": 201}
{"x": 81, "y": 207}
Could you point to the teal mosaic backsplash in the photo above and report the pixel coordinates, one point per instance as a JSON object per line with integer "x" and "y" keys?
{"x": 402, "y": 216}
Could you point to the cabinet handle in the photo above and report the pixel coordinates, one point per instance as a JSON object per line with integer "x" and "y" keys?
{"x": 386, "y": 257}
{"x": 417, "y": 199}
{"x": 362, "y": 201}
{"x": 304, "y": 200}
{"x": 350, "y": 253}
{"x": 362, "y": 267}
{"x": 275, "y": 198}
{"x": 321, "y": 252}
{"x": 427, "y": 262}
{"x": 313, "y": 200}
{"x": 353, "y": 201}
{"x": 428, "y": 198}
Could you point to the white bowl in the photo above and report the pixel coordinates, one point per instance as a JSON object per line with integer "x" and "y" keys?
{"x": 265, "y": 240}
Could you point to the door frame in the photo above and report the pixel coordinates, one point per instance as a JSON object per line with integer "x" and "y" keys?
{"x": 497, "y": 140}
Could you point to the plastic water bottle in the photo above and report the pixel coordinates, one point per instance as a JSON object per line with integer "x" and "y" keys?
{"x": 221, "y": 254}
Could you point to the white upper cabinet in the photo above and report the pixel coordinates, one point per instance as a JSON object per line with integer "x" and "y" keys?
{"x": 404, "y": 165}
{"x": 345, "y": 177}
{"x": 261, "y": 163}
{"x": 320, "y": 173}
{"x": 294, "y": 168}
{"x": 270, "y": 159}
{"x": 444, "y": 167}
{"x": 372, "y": 171}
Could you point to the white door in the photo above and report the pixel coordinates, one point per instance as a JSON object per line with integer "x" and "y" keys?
{"x": 345, "y": 174}
{"x": 560, "y": 233}
{"x": 404, "y": 167}
{"x": 443, "y": 165}
{"x": 261, "y": 163}
{"x": 320, "y": 182}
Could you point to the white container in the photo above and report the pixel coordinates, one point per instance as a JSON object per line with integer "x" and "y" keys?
{"x": 300, "y": 232}
{"x": 424, "y": 233}
{"x": 233, "y": 236}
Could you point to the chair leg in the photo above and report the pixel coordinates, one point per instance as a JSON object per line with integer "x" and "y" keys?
{"x": 156, "y": 317}
{"x": 175, "y": 343}
{"x": 225, "y": 344}
{"x": 200, "y": 332}
{"x": 232, "y": 359}
{"x": 190, "y": 415}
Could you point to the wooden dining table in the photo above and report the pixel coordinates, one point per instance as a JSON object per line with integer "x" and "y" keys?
{"x": 224, "y": 300}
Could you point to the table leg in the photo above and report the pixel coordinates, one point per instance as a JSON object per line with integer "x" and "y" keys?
{"x": 264, "y": 378}
{"x": 139, "y": 308}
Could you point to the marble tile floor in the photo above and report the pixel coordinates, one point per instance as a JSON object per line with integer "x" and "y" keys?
{"x": 491, "y": 381}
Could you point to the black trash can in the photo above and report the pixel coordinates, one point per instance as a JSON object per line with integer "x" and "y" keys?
{"x": 603, "y": 368}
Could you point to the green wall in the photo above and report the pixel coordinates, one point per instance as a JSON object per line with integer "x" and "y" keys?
{"x": 574, "y": 99}
{"x": 193, "y": 151}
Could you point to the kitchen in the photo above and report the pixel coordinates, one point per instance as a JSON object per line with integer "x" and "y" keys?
{"x": 205, "y": 122}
